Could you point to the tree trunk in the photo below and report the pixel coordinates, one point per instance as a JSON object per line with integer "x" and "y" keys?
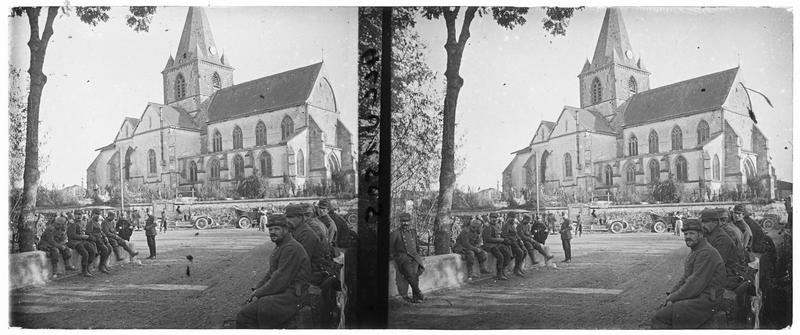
{"x": 447, "y": 176}
{"x": 26, "y": 223}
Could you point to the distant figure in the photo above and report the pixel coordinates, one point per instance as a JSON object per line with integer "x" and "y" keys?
{"x": 262, "y": 219}
{"x": 578, "y": 225}
{"x": 137, "y": 218}
{"x": 678, "y": 224}
{"x": 164, "y": 219}
{"x": 566, "y": 236}
{"x": 150, "y": 231}
{"x": 690, "y": 302}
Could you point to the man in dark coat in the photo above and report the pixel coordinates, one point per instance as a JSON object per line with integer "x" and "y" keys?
{"x": 124, "y": 228}
{"x": 323, "y": 208}
{"x": 540, "y": 231}
{"x": 109, "y": 227}
{"x": 566, "y": 237}
{"x": 738, "y": 214}
{"x": 404, "y": 251}
{"x": 690, "y": 302}
{"x": 78, "y": 239}
{"x": 735, "y": 268}
{"x": 493, "y": 243}
{"x": 512, "y": 240}
{"x": 54, "y": 243}
{"x": 468, "y": 244}
{"x": 321, "y": 264}
{"x": 275, "y": 298}
{"x": 150, "y": 232}
{"x": 530, "y": 244}
{"x": 95, "y": 231}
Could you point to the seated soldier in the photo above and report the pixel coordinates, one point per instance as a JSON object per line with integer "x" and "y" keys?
{"x": 403, "y": 250}
{"x": 493, "y": 243}
{"x": 275, "y": 298}
{"x": 79, "y": 240}
{"x": 110, "y": 231}
{"x": 468, "y": 244}
{"x": 323, "y": 207}
{"x": 528, "y": 242}
{"x": 690, "y": 302}
{"x": 54, "y": 243}
{"x": 95, "y": 231}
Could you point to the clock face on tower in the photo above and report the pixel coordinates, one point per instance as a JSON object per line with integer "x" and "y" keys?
{"x": 629, "y": 54}
{"x": 212, "y": 50}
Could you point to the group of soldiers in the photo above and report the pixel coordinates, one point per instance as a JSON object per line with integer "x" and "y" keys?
{"x": 90, "y": 234}
{"x": 721, "y": 242}
{"x": 307, "y": 239}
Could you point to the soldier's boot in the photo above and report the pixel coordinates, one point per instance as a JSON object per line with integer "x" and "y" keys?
{"x": 469, "y": 273}
{"x": 85, "y": 271}
{"x": 500, "y": 273}
{"x": 116, "y": 254}
{"x": 130, "y": 251}
{"x": 547, "y": 256}
{"x": 55, "y": 270}
{"x": 484, "y": 270}
{"x": 503, "y": 275}
{"x": 518, "y": 267}
{"x": 533, "y": 259}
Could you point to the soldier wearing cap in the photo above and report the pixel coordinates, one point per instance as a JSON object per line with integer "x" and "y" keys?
{"x": 317, "y": 226}
{"x": 54, "y": 243}
{"x": 493, "y": 243}
{"x": 468, "y": 244}
{"x": 690, "y": 302}
{"x": 95, "y": 231}
{"x": 716, "y": 236}
{"x": 79, "y": 240}
{"x": 512, "y": 240}
{"x": 539, "y": 230}
{"x": 275, "y": 298}
{"x": 299, "y": 225}
{"x": 115, "y": 241}
{"x": 150, "y": 232}
{"x": 323, "y": 208}
{"x": 529, "y": 243}
{"x": 404, "y": 251}
{"x": 744, "y": 228}
{"x": 566, "y": 237}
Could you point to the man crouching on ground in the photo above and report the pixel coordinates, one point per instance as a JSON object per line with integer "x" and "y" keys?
{"x": 275, "y": 299}
{"x": 689, "y": 304}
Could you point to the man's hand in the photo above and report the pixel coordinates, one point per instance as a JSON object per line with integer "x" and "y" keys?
{"x": 666, "y": 301}
{"x": 252, "y": 297}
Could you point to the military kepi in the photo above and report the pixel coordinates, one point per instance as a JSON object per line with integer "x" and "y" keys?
{"x": 405, "y": 217}
{"x": 692, "y": 224}
{"x": 277, "y": 221}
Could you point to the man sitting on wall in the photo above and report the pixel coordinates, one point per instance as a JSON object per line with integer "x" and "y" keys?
{"x": 54, "y": 243}
{"x": 690, "y": 302}
{"x": 403, "y": 250}
{"x": 468, "y": 244}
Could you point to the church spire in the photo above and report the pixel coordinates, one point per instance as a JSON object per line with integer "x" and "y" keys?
{"x": 613, "y": 39}
{"x": 197, "y": 42}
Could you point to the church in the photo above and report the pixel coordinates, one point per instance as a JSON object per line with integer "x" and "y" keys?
{"x": 209, "y": 134}
{"x": 626, "y": 137}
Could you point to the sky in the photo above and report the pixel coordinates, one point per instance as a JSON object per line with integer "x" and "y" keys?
{"x": 514, "y": 79}
{"x": 99, "y": 75}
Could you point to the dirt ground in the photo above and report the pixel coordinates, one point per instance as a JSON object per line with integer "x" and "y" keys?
{"x": 158, "y": 293}
{"x": 615, "y": 281}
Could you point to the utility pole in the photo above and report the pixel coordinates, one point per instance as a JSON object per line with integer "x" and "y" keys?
{"x": 121, "y": 185}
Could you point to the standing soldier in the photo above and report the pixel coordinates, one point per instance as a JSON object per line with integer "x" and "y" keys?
{"x": 578, "y": 225}
{"x": 511, "y": 239}
{"x": 137, "y": 219}
{"x": 54, "y": 243}
{"x": 468, "y": 244}
{"x": 403, "y": 249}
{"x": 493, "y": 243}
{"x": 738, "y": 222}
{"x": 95, "y": 231}
{"x": 566, "y": 237}
{"x": 79, "y": 240}
{"x": 262, "y": 219}
{"x": 114, "y": 240}
{"x": 528, "y": 241}
{"x": 150, "y": 231}
{"x": 164, "y": 220}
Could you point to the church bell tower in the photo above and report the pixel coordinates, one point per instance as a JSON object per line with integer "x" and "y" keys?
{"x": 198, "y": 69}
{"x": 615, "y": 74}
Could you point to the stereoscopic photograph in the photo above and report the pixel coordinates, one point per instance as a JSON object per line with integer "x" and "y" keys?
{"x": 182, "y": 167}
{"x": 591, "y": 168}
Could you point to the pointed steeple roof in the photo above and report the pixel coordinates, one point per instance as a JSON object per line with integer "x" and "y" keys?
{"x": 197, "y": 41}
{"x": 613, "y": 44}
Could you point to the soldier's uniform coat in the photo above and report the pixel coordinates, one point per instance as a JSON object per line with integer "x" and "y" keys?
{"x": 469, "y": 245}
{"x": 697, "y": 292}
{"x": 403, "y": 250}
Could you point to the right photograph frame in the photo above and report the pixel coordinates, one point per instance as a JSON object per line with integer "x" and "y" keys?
{"x": 586, "y": 168}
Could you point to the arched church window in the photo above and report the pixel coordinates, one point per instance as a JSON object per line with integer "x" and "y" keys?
{"x": 180, "y": 87}
{"x": 677, "y": 138}
{"x": 261, "y": 134}
{"x": 609, "y": 175}
{"x": 237, "y": 137}
{"x": 655, "y": 172}
{"x": 192, "y": 172}
{"x": 151, "y": 160}
{"x": 653, "y": 142}
{"x": 265, "y": 163}
{"x": 597, "y": 91}
{"x": 238, "y": 167}
{"x": 301, "y": 163}
{"x": 633, "y": 87}
{"x": 213, "y": 166}
{"x": 630, "y": 173}
{"x": 217, "y": 141}
{"x": 681, "y": 170}
{"x": 715, "y": 168}
{"x": 128, "y": 163}
{"x": 567, "y": 165}
{"x": 287, "y": 127}
{"x": 216, "y": 82}
{"x": 633, "y": 146}
{"x": 702, "y": 132}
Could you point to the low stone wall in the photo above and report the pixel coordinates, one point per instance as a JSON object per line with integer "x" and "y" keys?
{"x": 34, "y": 268}
{"x": 447, "y": 271}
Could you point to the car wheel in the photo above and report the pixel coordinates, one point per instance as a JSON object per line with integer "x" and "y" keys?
{"x": 659, "y": 227}
{"x": 617, "y": 227}
{"x": 768, "y": 223}
{"x": 352, "y": 219}
{"x": 201, "y": 223}
{"x": 243, "y": 222}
